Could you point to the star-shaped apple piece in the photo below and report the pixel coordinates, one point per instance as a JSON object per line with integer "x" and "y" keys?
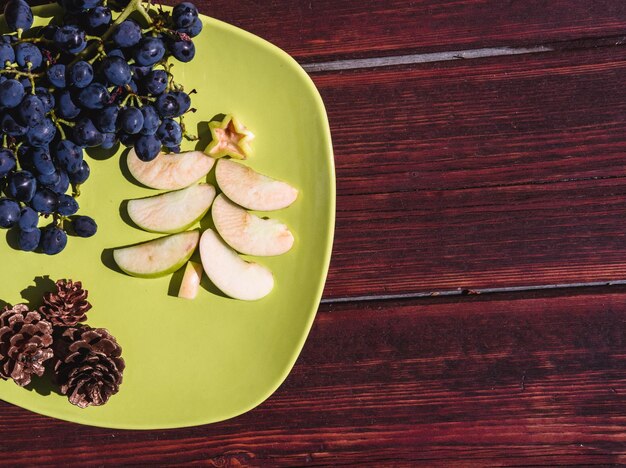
{"x": 229, "y": 138}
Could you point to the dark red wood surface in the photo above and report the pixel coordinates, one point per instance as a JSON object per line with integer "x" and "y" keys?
{"x": 321, "y": 30}
{"x": 508, "y": 380}
{"x": 498, "y": 172}
{"x": 503, "y": 172}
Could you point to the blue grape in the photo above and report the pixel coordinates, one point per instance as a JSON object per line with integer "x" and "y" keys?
{"x": 86, "y": 134}
{"x": 46, "y": 98}
{"x": 29, "y": 219}
{"x": 49, "y": 180}
{"x": 155, "y": 82}
{"x": 193, "y": 30}
{"x": 183, "y": 51}
{"x": 116, "y": 71}
{"x": 116, "y": 53}
{"x": 167, "y": 105}
{"x": 41, "y": 160}
{"x": 18, "y": 15}
{"x": 53, "y": 240}
{"x": 78, "y": 6}
{"x": 106, "y": 120}
{"x": 67, "y": 205}
{"x": 81, "y": 175}
{"x": 9, "y": 126}
{"x": 42, "y": 133}
{"x": 66, "y": 108}
{"x": 147, "y": 147}
{"x": 170, "y": 133}
{"x": 7, "y": 54}
{"x": 81, "y": 74}
{"x": 127, "y": 34}
{"x": 70, "y": 38}
{"x": 130, "y": 120}
{"x": 84, "y": 226}
{"x": 62, "y": 184}
{"x": 45, "y": 201}
{"x": 56, "y": 75}
{"x": 7, "y": 161}
{"x": 183, "y": 100}
{"x": 11, "y": 93}
{"x": 9, "y": 213}
{"x": 99, "y": 18}
{"x": 149, "y": 51}
{"x": 183, "y": 14}
{"x": 68, "y": 155}
{"x": 126, "y": 139}
{"x": 28, "y": 241}
{"x": 27, "y": 53}
{"x": 31, "y": 111}
{"x": 21, "y": 186}
{"x": 151, "y": 120}
{"x": 110, "y": 140}
{"x": 94, "y": 96}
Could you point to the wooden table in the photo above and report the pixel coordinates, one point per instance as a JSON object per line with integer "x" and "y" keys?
{"x": 475, "y": 310}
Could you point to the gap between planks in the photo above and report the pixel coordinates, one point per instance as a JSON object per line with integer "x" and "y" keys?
{"x": 465, "y": 54}
{"x": 472, "y": 292}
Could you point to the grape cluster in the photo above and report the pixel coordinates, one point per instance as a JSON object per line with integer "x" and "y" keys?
{"x": 97, "y": 78}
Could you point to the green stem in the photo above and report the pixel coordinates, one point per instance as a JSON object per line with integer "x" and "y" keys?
{"x": 134, "y": 5}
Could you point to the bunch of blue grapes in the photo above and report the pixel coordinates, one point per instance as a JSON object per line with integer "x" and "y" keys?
{"x": 99, "y": 76}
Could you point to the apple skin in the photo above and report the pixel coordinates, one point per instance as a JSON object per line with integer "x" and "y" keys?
{"x": 230, "y": 273}
{"x": 253, "y": 190}
{"x": 180, "y": 246}
{"x": 170, "y": 171}
{"x": 170, "y": 205}
{"x": 191, "y": 281}
{"x": 247, "y": 233}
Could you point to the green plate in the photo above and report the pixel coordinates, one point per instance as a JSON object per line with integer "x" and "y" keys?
{"x": 196, "y": 362}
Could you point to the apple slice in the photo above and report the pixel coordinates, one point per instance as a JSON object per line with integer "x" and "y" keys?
{"x": 191, "y": 281}
{"x": 247, "y": 233}
{"x": 252, "y": 190}
{"x": 158, "y": 257}
{"x": 170, "y": 171}
{"x": 230, "y": 273}
{"x": 172, "y": 211}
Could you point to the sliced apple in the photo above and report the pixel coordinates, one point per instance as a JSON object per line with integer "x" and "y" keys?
{"x": 230, "y": 273}
{"x": 247, "y": 233}
{"x": 170, "y": 171}
{"x": 191, "y": 281}
{"x": 158, "y": 257}
{"x": 172, "y": 211}
{"x": 252, "y": 190}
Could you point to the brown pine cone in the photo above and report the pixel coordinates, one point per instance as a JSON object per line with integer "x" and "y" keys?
{"x": 67, "y": 306}
{"x": 25, "y": 340}
{"x": 88, "y": 365}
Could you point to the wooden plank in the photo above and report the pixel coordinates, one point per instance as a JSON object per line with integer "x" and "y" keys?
{"x": 323, "y": 30}
{"x": 507, "y": 381}
{"x": 479, "y": 174}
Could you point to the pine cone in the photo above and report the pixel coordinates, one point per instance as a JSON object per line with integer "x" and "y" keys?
{"x": 25, "y": 340}
{"x": 88, "y": 368}
{"x": 67, "y": 306}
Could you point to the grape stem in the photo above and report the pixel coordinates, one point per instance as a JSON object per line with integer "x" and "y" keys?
{"x": 133, "y": 6}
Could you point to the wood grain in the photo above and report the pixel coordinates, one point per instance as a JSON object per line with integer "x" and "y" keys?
{"x": 321, "y": 30}
{"x": 324, "y": 30}
{"x": 509, "y": 381}
{"x": 477, "y": 174}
